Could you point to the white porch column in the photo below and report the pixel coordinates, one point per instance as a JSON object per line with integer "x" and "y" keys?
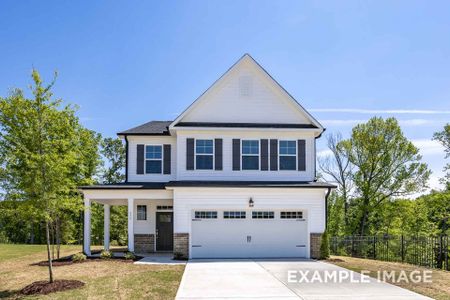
{"x": 130, "y": 225}
{"x": 87, "y": 227}
{"x": 106, "y": 209}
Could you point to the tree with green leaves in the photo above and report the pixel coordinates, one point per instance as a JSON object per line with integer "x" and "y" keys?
{"x": 113, "y": 151}
{"x": 44, "y": 155}
{"x": 387, "y": 165}
{"x": 444, "y": 138}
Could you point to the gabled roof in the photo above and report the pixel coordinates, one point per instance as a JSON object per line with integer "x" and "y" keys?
{"x": 248, "y": 59}
{"x": 149, "y": 128}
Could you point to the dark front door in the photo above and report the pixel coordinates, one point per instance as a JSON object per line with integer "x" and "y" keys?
{"x": 164, "y": 231}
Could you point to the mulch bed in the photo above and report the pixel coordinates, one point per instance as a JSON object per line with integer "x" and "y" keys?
{"x": 45, "y": 287}
{"x": 64, "y": 261}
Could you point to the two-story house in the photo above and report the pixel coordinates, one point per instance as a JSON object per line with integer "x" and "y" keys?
{"x": 232, "y": 176}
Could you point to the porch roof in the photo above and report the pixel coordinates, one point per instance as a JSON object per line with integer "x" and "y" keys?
{"x": 127, "y": 186}
{"x": 213, "y": 183}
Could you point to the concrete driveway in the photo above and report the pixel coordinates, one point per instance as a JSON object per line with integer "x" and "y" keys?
{"x": 268, "y": 279}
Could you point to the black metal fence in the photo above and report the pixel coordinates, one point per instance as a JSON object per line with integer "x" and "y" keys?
{"x": 426, "y": 251}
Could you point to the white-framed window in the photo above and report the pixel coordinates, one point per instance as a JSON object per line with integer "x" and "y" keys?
{"x": 206, "y": 214}
{"x": 234, "y": 214}
{"x": 153, "y": 159}
{"x": 141, "y": 212}
{"x": 263, "y": 215}
{"x": 291, "y": 215}
{"x": 287, "y": 153}
{"x": 250, "y": 154}
{"x": 204, "y": 154}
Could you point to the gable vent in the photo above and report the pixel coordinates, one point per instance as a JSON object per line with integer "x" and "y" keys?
{"x": 245, "y": 86}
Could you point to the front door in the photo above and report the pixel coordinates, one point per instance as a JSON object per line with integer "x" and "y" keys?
{"x": 164, "y": 231}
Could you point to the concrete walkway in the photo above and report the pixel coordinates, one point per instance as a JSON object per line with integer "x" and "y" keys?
{"x": 268, "y": 279}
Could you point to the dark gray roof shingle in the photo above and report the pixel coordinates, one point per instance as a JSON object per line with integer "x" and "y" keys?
{"x": 150, "y": 128}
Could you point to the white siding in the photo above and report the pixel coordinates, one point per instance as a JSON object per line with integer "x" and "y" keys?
{"x": 188, "y": 199}
{"x": 133, "y": 141}
{"x": 227, "y": 173}
{"x": 260, "y": 101}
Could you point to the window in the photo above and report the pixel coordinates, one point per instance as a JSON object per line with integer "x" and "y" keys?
{"x": 250, "y": 155}
{"x": 164, "y": 207}
{"x": 288, "y": 155}
{"x": 153, "y": 159}
{"x": 234, "y": 214}
{"x": 291, "y": 215}
{"x": 262, "y": 215}
{"x": 142, "y": 212}
{"x": 206, "y": 214}
{"x": 204, "y": 154}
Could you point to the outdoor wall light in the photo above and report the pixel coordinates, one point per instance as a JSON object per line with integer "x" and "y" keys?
{"x": 250, "y": 202}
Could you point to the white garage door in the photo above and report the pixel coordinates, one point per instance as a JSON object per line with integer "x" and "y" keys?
{"x": 248, "y": 234}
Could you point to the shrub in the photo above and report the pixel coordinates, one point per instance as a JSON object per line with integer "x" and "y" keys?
{"x": 105, "y": 254}
{"x": 79, "y": 257}
{"x": 324, "y": 246}
{"x": 130, "y": 255}
{"x": 179, "y": 256}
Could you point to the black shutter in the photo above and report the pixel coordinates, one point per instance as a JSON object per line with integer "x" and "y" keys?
{"x": 190, "y": 154}
{"x": 264, "y": 155}
{"x": 273, "y": 155}
{"x": 301, "y": 151}
{"x": 167, "y": 159}
{"x": 140, "y": 159}
{"x": 236, "y": 154}
{"x": 218, "y": 150}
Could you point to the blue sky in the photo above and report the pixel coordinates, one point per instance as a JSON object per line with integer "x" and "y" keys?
{"x": 128, "y": 62}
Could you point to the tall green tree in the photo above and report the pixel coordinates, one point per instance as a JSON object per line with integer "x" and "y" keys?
{"x": 42, "y": 153}
{"x": 387, "y": 165}
{"x": 444, "y": 138}
{"x": 113, "y": 151}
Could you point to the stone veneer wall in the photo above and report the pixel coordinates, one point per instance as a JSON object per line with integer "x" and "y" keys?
{"x": 144, "y": 243}
{"x": 315, "y": 240}
{"x": 181, "y": 245}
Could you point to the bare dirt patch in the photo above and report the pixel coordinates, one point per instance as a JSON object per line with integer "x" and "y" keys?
{"x": 45, "y": 287}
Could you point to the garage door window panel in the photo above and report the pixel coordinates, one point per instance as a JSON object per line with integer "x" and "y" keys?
{"x": 206, "y": 214}
{"x": 234, "y": 214}
{"x": 263, "y": 215}
{"x": 291, "y": 215}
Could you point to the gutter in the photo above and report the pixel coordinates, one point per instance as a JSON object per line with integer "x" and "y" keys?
{"x": 126, "y": 158}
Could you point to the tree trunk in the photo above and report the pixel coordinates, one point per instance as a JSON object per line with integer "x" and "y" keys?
{"x": 58, "y": 237}
{"x": 50, "y": 267}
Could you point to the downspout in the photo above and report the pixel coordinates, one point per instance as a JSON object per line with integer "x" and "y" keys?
{"x": 326, "y": 207}
{"x": 126, "y": 158}
{"x": 315, "y": 154}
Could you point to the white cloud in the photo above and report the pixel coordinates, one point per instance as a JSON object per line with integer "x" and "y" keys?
{"x": 380, "y": 111}
{"x": 324, "y": 153}
{"x": 406, "y": 122}
{"x": 429, "y": 147}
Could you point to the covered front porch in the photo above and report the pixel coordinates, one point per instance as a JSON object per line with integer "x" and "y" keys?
{"x": 149, "y": 216}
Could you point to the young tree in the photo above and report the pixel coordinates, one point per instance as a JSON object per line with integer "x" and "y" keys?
{"x": 339, "y": 169}
{"x": 387, "y": 165}
{"x": 42, "y": 153}
{"x": 113, "y": 151}
{"x": 444, "y": 138}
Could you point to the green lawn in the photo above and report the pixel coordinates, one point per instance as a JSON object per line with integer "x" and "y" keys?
{"x": 104, "y": 279}
{"x": 438, "y": 289}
